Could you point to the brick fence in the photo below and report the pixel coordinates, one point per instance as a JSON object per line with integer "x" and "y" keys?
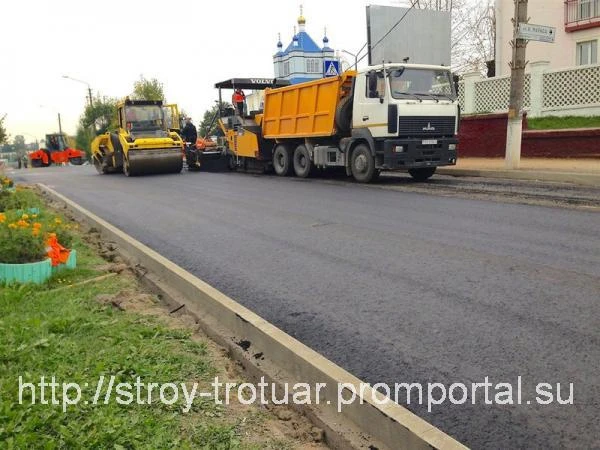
{"x": 485, "y": 136}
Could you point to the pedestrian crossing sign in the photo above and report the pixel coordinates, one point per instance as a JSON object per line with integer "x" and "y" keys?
{"x": 331, "y": 68}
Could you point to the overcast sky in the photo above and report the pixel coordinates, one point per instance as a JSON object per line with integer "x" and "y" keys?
{"x": 187, "y": 45}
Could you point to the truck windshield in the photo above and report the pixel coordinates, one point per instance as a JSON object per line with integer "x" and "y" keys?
{"x": 426, "y": 82}
{"x": 144, "y": 118}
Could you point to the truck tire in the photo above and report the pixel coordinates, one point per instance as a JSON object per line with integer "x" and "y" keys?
{"x": 282, "y": 160}
{"x": 76, "y": 161}
{"x": 422, "y": 174}
{"x": 343, "y": 115}
{"x": 303, "y": 166}
{"x": 362, "y": 164}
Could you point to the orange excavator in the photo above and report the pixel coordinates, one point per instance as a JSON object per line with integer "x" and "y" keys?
{"x": 56, "y": 151}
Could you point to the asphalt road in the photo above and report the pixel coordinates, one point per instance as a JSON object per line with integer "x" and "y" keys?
{"x": 393, "y": 283}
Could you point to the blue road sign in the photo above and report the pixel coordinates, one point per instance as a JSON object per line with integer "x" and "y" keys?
{"x": 331, "y": 68}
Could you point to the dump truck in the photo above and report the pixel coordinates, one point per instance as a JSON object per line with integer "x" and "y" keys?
{"x": 56, "y": 150}
{"x": 144, "y": 143}
{"x": 384, "y": 117}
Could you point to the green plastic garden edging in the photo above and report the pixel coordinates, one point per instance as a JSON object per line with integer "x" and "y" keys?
{"x": 36, "y": 272}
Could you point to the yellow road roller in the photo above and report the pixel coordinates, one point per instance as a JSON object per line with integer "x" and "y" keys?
{"x": 144, "y": 142}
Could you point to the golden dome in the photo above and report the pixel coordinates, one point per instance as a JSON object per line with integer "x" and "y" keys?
{"x": 301, "y": 19}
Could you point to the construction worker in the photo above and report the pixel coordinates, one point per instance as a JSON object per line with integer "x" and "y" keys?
{"x": 189, "y": 132}
{"x": 238, "y": 98}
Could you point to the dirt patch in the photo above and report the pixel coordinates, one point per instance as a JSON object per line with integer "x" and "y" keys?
{"x": 274, "y": 426}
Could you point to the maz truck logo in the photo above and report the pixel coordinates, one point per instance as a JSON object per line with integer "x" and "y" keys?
{"x": 429, "y": 127}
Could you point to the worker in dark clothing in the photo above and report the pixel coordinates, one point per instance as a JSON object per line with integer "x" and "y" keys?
{"x": 238, "y": 98}
{"x": 189, "y": 132}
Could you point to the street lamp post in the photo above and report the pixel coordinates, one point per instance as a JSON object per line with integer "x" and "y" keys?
{"x": 84, "y": 82}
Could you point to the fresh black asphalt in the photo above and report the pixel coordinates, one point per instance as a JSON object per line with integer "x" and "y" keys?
{"x": 393, "y": 286}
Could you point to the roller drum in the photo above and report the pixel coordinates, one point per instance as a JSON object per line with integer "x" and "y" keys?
{"x": 154, "y": 161}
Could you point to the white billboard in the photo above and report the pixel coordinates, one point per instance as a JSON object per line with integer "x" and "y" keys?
{"x": 422, "y": 35}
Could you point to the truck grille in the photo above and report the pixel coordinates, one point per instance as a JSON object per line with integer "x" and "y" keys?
{"x": 426, "y": 125}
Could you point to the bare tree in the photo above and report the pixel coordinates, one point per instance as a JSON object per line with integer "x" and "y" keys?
{"x": 473, "y": 30}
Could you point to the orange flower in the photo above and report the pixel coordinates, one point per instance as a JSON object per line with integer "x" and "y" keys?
{"x": 35, "y": 232}
{"x": 2, "y": 217}
{"x": 56, "y": 252}
{"x": 22, "y": 223}
{"x": 37, "y": 226}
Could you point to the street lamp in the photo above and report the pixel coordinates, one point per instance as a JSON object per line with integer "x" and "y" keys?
{"x": 84, "y": 82}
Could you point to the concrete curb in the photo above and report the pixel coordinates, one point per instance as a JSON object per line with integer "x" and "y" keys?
{"x": 264, "y": 350}
{"x": 586, "y": 179}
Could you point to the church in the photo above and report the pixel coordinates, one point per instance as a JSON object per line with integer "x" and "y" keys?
{"x": 302, "y": 60}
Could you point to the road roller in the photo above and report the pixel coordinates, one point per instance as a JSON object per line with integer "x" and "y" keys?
{"x": 56, "y": 150}
{"x": 143, "y": 144}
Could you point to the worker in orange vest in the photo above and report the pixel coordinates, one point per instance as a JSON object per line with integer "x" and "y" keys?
{"x": 238, "y": 99}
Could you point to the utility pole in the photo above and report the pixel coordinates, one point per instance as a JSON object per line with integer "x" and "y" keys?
{"x": 514, "y": 130}
{"x": 59, "y": 125}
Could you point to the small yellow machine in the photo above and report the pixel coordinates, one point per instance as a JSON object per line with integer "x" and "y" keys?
{"x": 246, "y": 148}
{"x": 145, "y": 142}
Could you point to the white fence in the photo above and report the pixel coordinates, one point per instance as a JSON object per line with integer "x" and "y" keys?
{"x": 574, "y": 91}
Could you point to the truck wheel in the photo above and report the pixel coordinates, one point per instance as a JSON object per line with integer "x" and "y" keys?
{"x": 343, "y": 115}
{"x": 422, "y": 174}
{"x": 36, "y": 162}
{"x": 363, "y": 164}
{"x": 282, "y": 160}
{"x": 76, "y": 161}
{"x": 303, "y": 166}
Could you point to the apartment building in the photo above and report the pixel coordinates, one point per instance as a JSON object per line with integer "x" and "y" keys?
{"x": 577, "y": 24}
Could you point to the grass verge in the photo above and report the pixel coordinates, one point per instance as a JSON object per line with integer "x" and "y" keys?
{"x": 557, "y": 123}
{"x": 77, "y": 333}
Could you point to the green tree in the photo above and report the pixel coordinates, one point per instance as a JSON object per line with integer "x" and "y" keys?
{"x": 209, "y": 125}
{"x": 102, "y": 116}
{"x": 19, "y": 142}
{"x": 144, "y": 89}
{"x": 83, "y": 139}
{"x": 3, "y": 133}
{"x": 95, "y": 120}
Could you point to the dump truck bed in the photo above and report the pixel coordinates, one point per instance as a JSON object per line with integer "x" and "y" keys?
{"x": 305, "y": 109}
